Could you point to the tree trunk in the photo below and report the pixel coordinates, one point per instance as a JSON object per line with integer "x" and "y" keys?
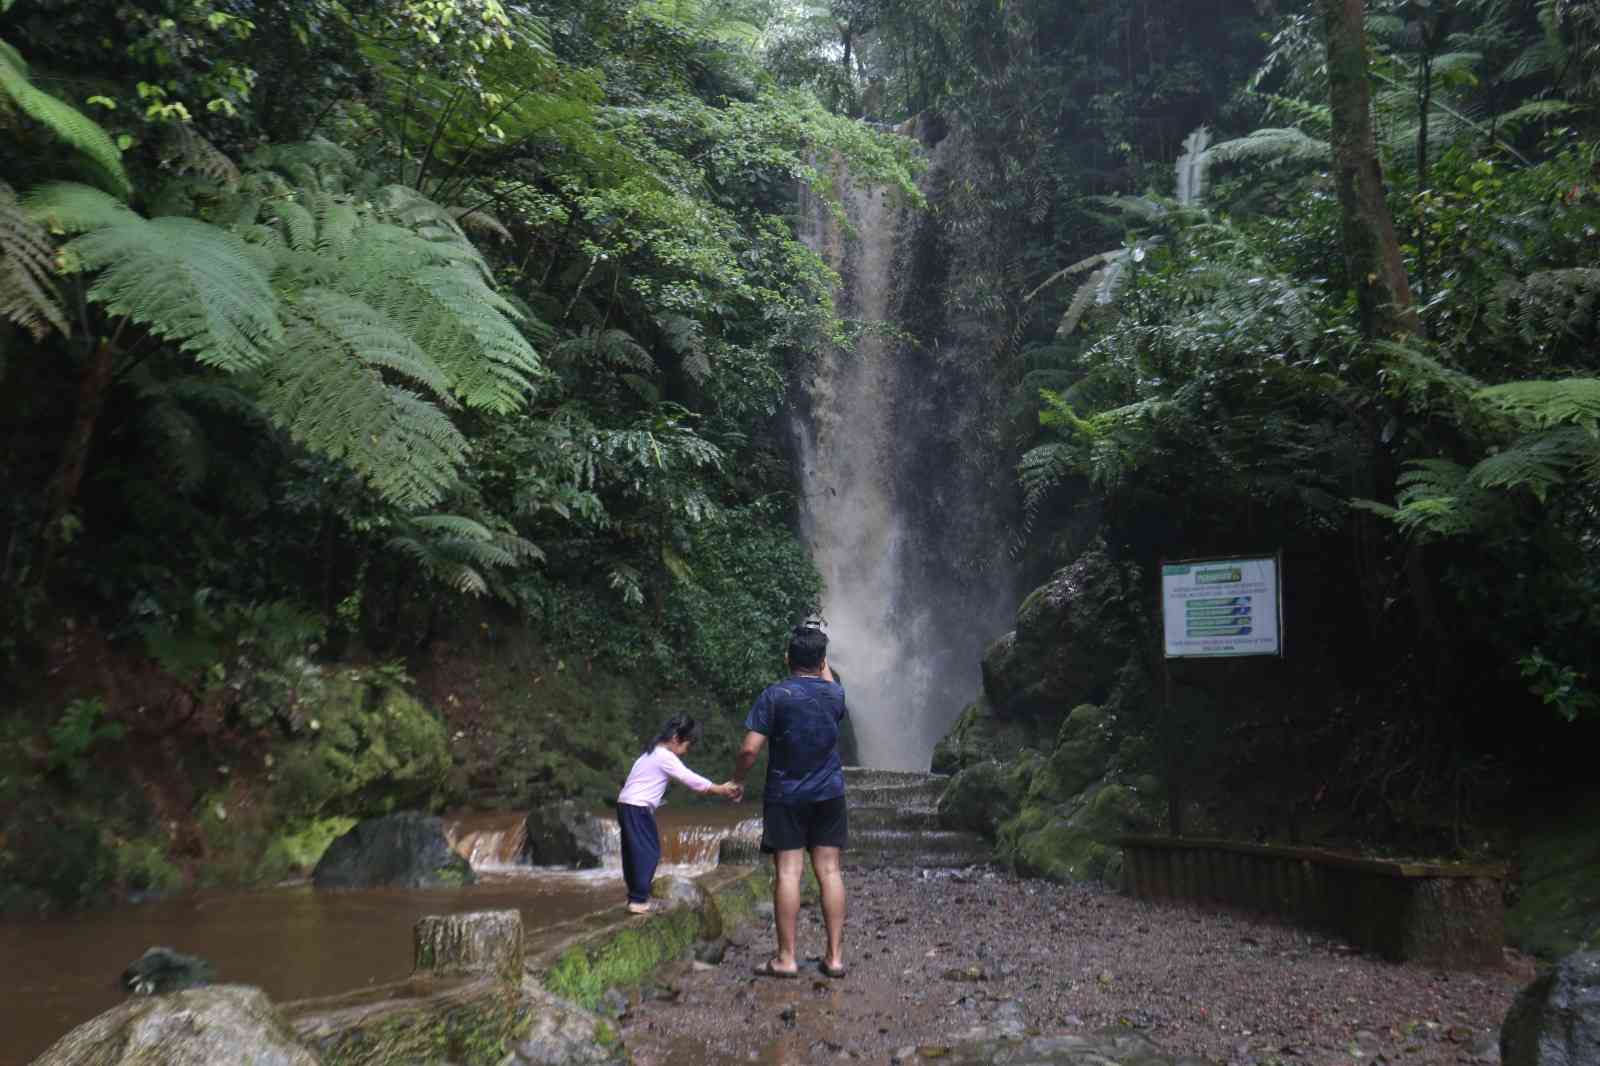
{"x": 75, "y": 454}
{"x": 1371, "y": 251}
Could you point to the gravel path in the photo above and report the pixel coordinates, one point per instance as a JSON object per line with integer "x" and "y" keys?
{"x": 932, "y": 957}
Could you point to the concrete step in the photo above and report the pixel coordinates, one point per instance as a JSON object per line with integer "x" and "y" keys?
{"x": 868, "y": 777}
{"x": 877, "y": 848}
{"x": 921, "y": 793}
{"x": 868, "y": 816}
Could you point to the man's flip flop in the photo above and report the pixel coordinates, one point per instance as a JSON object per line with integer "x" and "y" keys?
{"x": 766, "y": 969}
{"x": 835, "y": 972}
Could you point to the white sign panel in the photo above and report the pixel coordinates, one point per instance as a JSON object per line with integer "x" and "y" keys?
{"x": 1222, "y": 607}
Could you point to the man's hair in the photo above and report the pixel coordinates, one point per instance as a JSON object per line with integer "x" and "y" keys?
{"x": 808, "y": 646}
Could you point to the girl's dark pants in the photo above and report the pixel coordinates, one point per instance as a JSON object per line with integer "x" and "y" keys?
{"x": 641, "y": 849}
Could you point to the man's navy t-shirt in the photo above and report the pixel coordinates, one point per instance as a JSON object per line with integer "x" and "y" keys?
{"x": 800, "y": 717}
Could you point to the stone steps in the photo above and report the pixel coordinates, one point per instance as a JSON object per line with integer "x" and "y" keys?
{"x": 941, "y": 849}
{"x": 894, "y": 822}
{"x": 924, "y": 793}
{"x": 886, "y": 816}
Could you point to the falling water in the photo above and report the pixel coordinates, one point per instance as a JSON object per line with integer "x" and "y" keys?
{"x": 903, "y": 505}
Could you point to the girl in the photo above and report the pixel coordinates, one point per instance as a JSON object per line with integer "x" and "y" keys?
{"x": 641, "y": 795}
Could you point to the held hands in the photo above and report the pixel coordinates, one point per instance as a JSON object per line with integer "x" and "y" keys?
{"x": 730, "y": 790}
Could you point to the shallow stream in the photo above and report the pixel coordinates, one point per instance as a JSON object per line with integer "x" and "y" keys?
{"x": 296, "y": 942}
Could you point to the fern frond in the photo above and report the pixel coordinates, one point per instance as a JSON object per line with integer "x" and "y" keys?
{"x": 67, "y": 207}
{"x": 1098, "y": 259}
{"x": 1574, "y": 401}
{"x": 185, "y": 151}
{"x": 1271, "y": 144}
{"x": 1317, "y": 115}
{"x": 612, "y": 347}
{"x": 480, "y": 222}
{"x": 187, "y": 281}
{"x": 28, "y": 295}
{"x": 359, "y": 331}
{"x": 340, "y": 406}
{"x": 1538, "y": 462}
{"x": 1563, "y": 302}
{"x": 1533, "y": 111}
{"x": 63, "y": 120}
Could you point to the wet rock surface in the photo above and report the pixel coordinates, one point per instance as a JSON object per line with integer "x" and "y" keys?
{"x": 195, "y": 1027}
{"x": 974, "y": 966}
{"x": 403, "y": 850}
{"x": 1556, "y": 1019}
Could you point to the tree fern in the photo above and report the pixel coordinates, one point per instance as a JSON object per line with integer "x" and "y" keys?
{"x": 1572, "y": 401}
{"x": 28, "y": 295}
{"x": 63, "y": 120}
{"x": 459, "y": 551}
{"x": 190, "y": 282}
{"x": 1562, "y": 302}
{"x": 361, "y": 313}
{"x": 69, "y": 208}
{"x": 1271, "y": 144}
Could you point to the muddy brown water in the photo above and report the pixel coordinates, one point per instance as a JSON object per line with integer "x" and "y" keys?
{"x": 296, "y": 942}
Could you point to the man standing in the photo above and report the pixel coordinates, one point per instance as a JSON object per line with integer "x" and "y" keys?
{"x": 804, "y": 807}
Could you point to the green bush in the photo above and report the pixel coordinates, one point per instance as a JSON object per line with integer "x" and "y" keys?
{"x": 364, "y": 747}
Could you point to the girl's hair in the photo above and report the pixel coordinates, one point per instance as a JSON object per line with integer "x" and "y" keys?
{"x": 678, "y": 727}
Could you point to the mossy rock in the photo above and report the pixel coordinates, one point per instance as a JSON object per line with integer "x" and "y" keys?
{"x": 364, "y": 746}
{"x": 1557, "y": 910}
{"x": 1072, "y": 639}
{"x": 979, "y": 736}
{"x": 403, "y": 850}
{"x": 1073, "y": 842}
{"x": 980, "y": 797}
{"x": 1081, "y": 756}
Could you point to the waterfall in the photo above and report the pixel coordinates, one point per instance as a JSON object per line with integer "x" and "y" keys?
{"x": 904, "y": 499}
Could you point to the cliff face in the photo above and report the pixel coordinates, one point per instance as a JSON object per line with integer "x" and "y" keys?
{"x": 907, "y": 488}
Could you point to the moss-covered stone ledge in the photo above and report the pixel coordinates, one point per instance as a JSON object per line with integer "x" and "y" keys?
{"x": 472, "y": 1021}
{"x": 1442, "y": 914}
{"x": 580, "y": 960}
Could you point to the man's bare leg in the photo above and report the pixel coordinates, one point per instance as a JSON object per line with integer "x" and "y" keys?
{"x": 825, "y": 861}
{"x": 787, "y": 866}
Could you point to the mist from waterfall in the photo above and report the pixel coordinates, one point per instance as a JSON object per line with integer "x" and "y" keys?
{"x": 901, "y": 508}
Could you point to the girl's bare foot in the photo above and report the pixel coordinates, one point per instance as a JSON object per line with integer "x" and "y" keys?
{"x": 638, "y": 908}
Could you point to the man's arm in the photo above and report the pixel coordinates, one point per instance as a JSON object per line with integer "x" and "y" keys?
{"x": 753, "y": 743}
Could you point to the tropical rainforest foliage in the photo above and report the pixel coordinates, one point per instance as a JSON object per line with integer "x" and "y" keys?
{"x": 325, "y": 324}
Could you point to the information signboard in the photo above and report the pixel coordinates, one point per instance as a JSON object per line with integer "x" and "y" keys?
{"x": 1221, "y": 607}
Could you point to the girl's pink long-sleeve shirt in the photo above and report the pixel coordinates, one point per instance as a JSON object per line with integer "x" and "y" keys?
{"x": 647, "y": 781}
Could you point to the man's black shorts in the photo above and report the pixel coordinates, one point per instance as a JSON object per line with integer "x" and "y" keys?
{"x": 823, "y": 824}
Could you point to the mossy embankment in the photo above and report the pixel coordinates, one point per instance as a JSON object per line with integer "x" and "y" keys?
{"x": 1081, "y": 735}
{"x": 118, "y": 778}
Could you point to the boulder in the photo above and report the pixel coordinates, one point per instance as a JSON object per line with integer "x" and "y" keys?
{"x": 980, "y": 735}
{"x": 981, "y": 797}
{"x": 565, "y": 834}
{"x": 162, "y": 970}
{"x": 560, "y": 1033}
{"x": 1072, "y": 841}
{"x": 234, "y": 1024}
{"x": 404, "y": 850}
{"x": 1081, "y": 757}
{"x": 1072, "y": 639}
{"x": 1555, "y": 1021}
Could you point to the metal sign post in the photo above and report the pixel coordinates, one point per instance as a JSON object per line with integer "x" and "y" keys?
{"x": 1217, "y": 608}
